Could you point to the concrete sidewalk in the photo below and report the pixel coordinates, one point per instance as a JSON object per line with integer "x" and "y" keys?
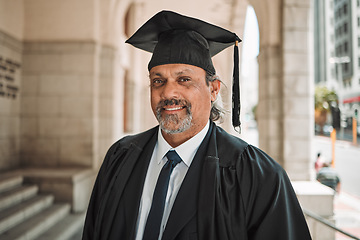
{"x": 347, "y": 214}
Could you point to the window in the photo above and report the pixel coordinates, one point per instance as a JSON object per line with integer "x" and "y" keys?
{"x": 345, "y": 27}
{"x": 345, "y": 47}
{"x": 345, "y": 8}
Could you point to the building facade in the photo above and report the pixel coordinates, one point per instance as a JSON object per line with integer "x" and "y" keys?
{"x": 70, "y": 86}
{"x": 337, "y": 55}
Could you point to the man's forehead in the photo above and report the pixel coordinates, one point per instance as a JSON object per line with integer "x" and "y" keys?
{"x": 177, "y": 69}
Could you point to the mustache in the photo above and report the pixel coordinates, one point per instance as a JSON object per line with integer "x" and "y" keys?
{"x": 173, "y": 101}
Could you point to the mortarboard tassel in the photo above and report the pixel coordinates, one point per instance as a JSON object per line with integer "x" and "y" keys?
{"x": 236, "y": 91}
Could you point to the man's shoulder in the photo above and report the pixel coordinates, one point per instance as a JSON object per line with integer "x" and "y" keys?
{"x": 234, "y": 151}
{"x": 229, "y": 141}
{"x": 140, "y": 137}
{"x": 138, "y": 140}
{"x": 229, "y": 147}
{"x": 223, "y": 135}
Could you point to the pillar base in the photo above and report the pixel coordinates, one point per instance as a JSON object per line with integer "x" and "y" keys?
{"x": 318, "y": 199}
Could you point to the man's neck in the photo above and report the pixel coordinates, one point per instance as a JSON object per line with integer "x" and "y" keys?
{"x": 177, "y": 139}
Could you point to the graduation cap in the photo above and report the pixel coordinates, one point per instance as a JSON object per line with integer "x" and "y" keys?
{"x": 174, "y": 38}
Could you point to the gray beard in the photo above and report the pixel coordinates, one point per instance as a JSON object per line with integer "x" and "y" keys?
{"x": 184, "y": 124}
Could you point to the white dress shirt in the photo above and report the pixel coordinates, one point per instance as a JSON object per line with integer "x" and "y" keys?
{"x": 186, "y": 151}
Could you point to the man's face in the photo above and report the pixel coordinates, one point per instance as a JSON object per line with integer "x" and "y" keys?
{"x": 180, "y": 97}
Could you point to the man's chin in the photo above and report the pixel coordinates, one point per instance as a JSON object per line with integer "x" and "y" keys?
{"x": 173, "y": 128}
{"x": 173, "y": 123}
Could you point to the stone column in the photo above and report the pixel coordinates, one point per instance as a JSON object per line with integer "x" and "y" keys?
{"x": 270, "y": 112}
{"x": 285, "y": 109}
{"x": 298, "y": 107}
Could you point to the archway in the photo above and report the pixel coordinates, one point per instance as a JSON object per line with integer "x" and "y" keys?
{"x": 285, "y": 114}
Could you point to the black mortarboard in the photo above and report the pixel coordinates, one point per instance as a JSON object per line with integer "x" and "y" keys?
{"x": 174, "y": 38}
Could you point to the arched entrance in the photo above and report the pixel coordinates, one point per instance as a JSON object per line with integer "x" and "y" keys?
{"x": 285, "y": 84}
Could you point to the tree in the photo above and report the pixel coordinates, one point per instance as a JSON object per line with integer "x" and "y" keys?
{"x": 324, "y": 99}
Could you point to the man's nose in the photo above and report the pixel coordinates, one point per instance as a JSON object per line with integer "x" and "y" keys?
{"x": 170, "y": 90}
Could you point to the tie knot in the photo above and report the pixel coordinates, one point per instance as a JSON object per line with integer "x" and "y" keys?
{"x": 173, "y": 157}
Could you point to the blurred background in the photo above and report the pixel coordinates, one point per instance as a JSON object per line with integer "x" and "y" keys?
{"x": 70, "y": 87}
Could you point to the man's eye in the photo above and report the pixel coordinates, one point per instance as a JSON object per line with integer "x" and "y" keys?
{"x": 157, "y": 82}
{"x": 184, "y": 79}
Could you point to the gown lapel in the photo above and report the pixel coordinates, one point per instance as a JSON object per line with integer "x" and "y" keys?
{"x": 133, "y": 193}
{"x": 186, "y": 203}
{"x": 125, "y": 187}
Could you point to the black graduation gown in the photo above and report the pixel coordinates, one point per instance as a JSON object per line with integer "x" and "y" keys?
{"x": 232, "y": 191}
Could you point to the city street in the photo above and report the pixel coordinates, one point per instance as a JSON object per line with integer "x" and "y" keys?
{"x": 347, "y": 158}
{"x": 347, "y": 164}
{"x": 347, "y": 161}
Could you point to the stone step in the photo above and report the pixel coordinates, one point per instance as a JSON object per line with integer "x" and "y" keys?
{"x": 16, "y": 214}
{"x": 8, "y": 182}
{"x": 38, "y": 224}
{"x": 68, "y": 228}
{"x": 77, "y": 236}
{"x": 16, "y": 195}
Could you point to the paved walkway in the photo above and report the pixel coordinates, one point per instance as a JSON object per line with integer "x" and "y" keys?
{"x": 347, "y": 214}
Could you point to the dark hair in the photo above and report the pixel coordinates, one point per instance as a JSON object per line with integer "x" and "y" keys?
{"x": 217, "y": 110}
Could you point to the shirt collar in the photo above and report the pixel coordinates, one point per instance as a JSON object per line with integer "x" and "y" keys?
{"x": 186, "y": 151}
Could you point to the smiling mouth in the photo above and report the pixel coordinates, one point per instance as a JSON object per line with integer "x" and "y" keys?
{"x": 173, "y": 108}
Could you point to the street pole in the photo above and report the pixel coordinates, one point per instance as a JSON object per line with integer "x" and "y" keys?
{"x": 339, "y": 61}
{"x": 340, "y": 100}
{"x": 333, "y": 140}
{"x": 355, "y": 118}
{"x": 354, "y": 131}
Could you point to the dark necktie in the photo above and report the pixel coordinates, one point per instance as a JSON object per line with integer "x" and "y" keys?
{"x": 152, "y": 227}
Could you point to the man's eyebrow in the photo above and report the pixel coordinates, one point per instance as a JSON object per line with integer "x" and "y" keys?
{"x": 155, "y": 74}
{"x": 181, "y": 72}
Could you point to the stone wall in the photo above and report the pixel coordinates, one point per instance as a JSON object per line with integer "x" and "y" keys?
{"x": 61, "y": 103}
{"x": 10, "y": 89}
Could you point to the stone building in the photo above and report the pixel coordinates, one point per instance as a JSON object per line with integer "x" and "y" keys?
{"x": 70, "y": 86}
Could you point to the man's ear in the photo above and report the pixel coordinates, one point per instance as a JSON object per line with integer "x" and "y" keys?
{"x": 215, "y": 89}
